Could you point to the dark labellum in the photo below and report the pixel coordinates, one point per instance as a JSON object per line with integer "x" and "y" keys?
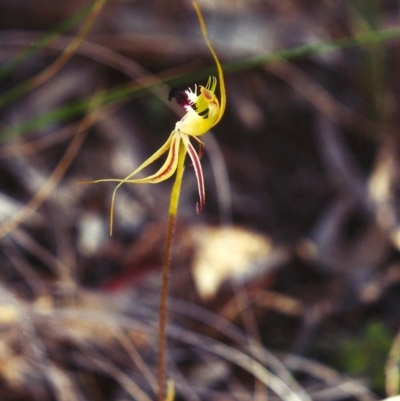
{"x": 180, "y": 95}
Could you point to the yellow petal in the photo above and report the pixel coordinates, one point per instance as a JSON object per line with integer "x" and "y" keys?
{"x": 219, "y": 68}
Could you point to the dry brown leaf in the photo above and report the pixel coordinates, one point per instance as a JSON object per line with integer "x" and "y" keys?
{"x": 223, "y": 253}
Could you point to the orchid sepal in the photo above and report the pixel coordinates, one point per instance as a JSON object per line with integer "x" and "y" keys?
{"x": 198, "y": 171}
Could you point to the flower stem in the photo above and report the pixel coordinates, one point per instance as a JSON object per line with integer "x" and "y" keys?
{"x": 173, "y": 209}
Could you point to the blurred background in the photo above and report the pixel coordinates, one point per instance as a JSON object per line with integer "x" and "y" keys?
{"x": 287, "y": 287}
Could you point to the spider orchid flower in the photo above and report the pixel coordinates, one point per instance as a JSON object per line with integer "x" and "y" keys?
{"x": 203, "y": 112}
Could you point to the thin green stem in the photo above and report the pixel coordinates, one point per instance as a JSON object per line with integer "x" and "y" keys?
{"x": 173, "y": 210}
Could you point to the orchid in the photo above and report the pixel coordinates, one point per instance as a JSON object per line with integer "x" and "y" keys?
{"x": 203, "y": 112}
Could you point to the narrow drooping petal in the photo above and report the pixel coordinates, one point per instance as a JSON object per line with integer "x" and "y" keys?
{"x": 166, "y": 170}
{"x": 146, "y": 163}
{"x": 201, "y": 146}
{"x": 199, "y": 173}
